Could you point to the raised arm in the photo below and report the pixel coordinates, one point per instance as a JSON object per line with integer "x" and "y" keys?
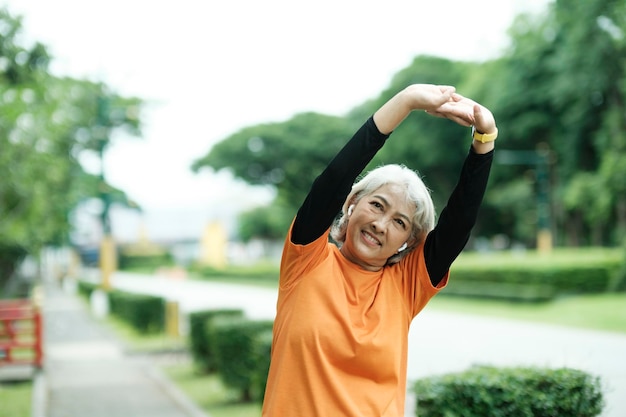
{"x": 457, "y": 219}
{"x": 329, "y": 190}
{"x": 440, "y": 101}
{"x": 425, "y": 97}
{"x": 333, "y": 184}
{"x": 467, "y": 112}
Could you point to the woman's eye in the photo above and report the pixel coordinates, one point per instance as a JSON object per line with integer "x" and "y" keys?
{"x": 377, "y": 204}
{"x": 400, "y": 222}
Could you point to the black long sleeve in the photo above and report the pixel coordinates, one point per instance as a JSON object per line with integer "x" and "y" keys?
{"x": 443, "y": 244}
{"x": 332, "y": 186}
{"x": 446, "y": 241}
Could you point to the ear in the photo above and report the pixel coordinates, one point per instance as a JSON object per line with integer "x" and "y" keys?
{"x": 350, "y": 209}
{"x": 403, "y": 247}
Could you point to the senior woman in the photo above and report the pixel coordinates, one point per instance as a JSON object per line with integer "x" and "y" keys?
{"x": 345, "y": 304}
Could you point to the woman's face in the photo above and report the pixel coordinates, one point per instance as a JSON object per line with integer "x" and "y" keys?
{"x": 379, "y": 225}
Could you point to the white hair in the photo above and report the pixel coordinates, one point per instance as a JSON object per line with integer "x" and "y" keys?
{"x": 416, "y": 192}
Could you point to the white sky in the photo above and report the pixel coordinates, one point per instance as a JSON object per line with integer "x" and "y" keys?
{"x": 210, "y": 68}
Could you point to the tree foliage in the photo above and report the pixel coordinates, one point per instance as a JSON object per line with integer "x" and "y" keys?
{"x": 558, "y": 91}
{"x": 269, "y": 222}
{"x": 565, "y": 76}
{"x": 432, "y": 146}
{"x": 288, "y": 155}
{"x": 45, "y": 123}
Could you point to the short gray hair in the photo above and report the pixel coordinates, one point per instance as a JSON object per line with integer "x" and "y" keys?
{"x": 423, "y": 220}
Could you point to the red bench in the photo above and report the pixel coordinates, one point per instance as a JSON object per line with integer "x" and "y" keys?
{"x": 20, "y": 333}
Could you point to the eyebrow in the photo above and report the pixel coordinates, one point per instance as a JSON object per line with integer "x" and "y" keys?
{"x": 384, "y": 200}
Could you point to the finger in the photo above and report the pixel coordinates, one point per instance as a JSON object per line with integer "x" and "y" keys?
{"x": 446, "y": 93}
{"x": 460, "y": 120}
{"x": 462, "y": 99}
{"x": 440, "y": 99}
{"x": 436, "y": 114}
{"x": 484, "y": 119}
{"x": 457, "y": 97}
{"x": 458, "y": 109}
{"x": 478, "y": 115}
{"x": 463, "y": 121}
{"x": 447, "y": 88}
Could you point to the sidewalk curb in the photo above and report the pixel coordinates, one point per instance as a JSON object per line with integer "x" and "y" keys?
{"x": 175, "y": 393}
{"x": 39, "y": 395}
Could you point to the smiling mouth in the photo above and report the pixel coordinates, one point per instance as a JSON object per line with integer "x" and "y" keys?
{"x": 370, "y": 239}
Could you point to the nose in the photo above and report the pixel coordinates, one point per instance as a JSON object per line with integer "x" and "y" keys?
{"x": 380, "y": 224}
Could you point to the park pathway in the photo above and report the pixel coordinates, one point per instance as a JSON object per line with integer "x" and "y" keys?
{"x": 88, "y": 373}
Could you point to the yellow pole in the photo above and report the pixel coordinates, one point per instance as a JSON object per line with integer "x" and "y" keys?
{"x": 172, "y": 313}
{"x": 544, "y": 241}
{"x": 108, "y": 261}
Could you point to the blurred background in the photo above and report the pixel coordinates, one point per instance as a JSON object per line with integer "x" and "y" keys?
{"x": 155, "y": 141}
{"x": 137, "y": 92}
{"x": 164, "y": 124}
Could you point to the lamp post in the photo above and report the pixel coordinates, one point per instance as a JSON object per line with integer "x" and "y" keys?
{"x": 540, "y": 159}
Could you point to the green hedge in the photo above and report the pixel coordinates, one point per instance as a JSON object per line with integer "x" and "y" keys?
{"x": 504, "y": 392}
{"x": 536, "y": 277}
{"x": 242, "y": 348}
{"x": 86, "y": 288}
{"x": 148, "y": 262}
{"x": 200, "y": 323}
{"x": 146, "y": 313}
{"x": 264, "y": 272}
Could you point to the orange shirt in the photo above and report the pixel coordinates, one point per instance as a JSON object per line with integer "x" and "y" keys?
{"x": 341, "y": 333}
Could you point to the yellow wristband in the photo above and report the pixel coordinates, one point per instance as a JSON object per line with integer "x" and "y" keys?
{"x": 484, "y": 137}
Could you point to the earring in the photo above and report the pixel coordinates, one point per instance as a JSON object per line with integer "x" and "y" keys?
{"x": 403, "y": 247}
{"x": 350, "y": 210}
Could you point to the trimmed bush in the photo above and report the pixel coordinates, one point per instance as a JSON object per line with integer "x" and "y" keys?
{"x": 266, "y": 273}
{"x": 619, "y": 278}
{"x": 535, "y": 277}
{"x": 504, "y": 392}
{"x": 146, "y": 313}
{"x": 242, "y": 351}
{"x": 86, "y": 288}
{"x": 263, "y": 351}
{"x": 200, "y": 323}
{"x": 147, "y": 262}
{"x": 501, "y": 290}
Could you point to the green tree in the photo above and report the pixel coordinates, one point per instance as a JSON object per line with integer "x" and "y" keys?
{"x": 562, "y": 87}
{"x": 432, "y": 146}
{"x": 45, "y": 123}
{"x": 287, "y": 155}
{"x": 269, "y": 222}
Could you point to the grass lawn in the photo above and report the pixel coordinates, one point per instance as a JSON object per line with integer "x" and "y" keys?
{"x": 208, "y": 392}
{"x": 15, "y": 399}
{"x": 596, "y": 312}
{"x": 591, "y": 311}
{"x": 146, "y": 343}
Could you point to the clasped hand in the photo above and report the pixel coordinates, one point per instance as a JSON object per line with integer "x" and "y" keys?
{"x": 444, "y": 101}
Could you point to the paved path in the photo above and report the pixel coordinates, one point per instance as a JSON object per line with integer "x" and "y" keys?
{"x": 87, "y": 373}
{"x": 439, "y": 342}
